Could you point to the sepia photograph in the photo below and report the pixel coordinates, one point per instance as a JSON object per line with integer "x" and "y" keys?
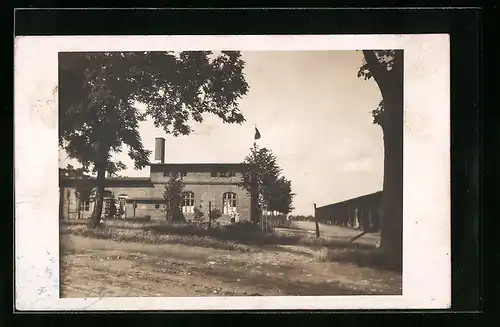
{"x": 233, "y": 172}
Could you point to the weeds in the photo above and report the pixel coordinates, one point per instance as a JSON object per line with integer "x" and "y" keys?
{"x": 243, "y": 233}
{"x": 361, "y": 257}
{"x": 148, "y": 237}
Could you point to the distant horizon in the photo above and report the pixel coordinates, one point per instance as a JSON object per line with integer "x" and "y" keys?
{"x": 313, "y": 113}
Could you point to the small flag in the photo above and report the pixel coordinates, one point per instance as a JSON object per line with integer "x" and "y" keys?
{"x": 257, "y": 134}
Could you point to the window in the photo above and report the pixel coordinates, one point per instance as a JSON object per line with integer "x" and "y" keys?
{"x": 187, "y": 204}
{"x": 222, "y": 174}
{"x": 86, "y": 205}
{"x": 171, "y": 174}
{"x": 157, "y": 206}
{"x": 228, "y": 202}
{"x": 175, "y": 174}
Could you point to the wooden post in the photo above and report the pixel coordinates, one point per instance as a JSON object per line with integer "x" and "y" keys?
{"x": 68, "y": 193}
{"x": 316, "y": 222}
{"x": 263, "y": 211}
{"x": 265, "y": 217}
{"x": 209, "y": 214}
{"x": 61, "y": 203}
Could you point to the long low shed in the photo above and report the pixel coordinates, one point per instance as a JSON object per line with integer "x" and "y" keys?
{"x": 360, "y": 213}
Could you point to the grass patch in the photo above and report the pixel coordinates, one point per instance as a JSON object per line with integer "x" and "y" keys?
{"x": 148, "y": 237}
{"x": 242, "y": 234}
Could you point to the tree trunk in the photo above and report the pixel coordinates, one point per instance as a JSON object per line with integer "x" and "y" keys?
{"x": 95, "y": 220}
{"x": 391, "y": 242}
{"x": 391, "y": 84}
{"x": 392, "y": 203}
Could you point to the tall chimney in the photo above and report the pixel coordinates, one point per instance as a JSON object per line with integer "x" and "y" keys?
{"x": 160, "y": 149}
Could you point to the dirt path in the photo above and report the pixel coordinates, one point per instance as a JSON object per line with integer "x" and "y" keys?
{"x": 104, "y": 268}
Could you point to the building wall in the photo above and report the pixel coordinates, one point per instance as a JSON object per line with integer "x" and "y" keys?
{"x": 191, "y": 177}
{"x": 142, "y": 209}
{"x": 360, "y": 213}
{"x": 205, "y": 189}
{"x": 205, "y": 193}
{"x": 70, "y": 204}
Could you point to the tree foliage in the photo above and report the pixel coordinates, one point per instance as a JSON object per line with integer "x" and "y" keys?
{"x": 172, "y": 194}
{"x": 274, "y": 190}
{"x": 281, "y": 198}
{"x": 198, "y": 215}
{"x": 99, "y": 95}
{"x": 71, "y": 172}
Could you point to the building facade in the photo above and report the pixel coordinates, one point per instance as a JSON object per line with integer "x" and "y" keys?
{"x": 214, "y": 185}
{"x": 360, "y": 213}
{"x": 205, "y": 185}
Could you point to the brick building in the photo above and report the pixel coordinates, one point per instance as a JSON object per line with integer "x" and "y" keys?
{"x": 360, "y": 213}
{"x": 137, "y": 197}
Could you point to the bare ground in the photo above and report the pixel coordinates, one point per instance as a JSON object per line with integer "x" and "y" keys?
{"x": 104, "y": 268}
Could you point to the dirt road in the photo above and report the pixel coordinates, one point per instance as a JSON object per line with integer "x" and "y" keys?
{"x": 104, "y": 268}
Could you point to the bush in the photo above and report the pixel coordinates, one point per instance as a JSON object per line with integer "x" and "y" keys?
{"x": 243, "y": 227}
{"x": 198, "y": 215}
{"x": 215, "y": 214}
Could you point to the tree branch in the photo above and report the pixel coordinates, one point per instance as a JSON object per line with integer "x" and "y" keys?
{"x": 378, "y": 71}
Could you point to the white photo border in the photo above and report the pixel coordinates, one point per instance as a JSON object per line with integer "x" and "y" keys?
{"x": 426, "y": 180}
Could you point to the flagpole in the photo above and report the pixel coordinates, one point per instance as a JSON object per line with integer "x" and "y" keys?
{"x": 255, "y": 187}
{"x": 255, "y": 142}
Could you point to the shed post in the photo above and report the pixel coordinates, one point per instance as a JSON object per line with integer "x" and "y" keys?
{"x": 316, "y": 221}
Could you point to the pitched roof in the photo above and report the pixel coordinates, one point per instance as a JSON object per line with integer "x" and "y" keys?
{"x": 197, "y": 166}
{"x": 352, "y": 200}
{"x": 128, "y": 181}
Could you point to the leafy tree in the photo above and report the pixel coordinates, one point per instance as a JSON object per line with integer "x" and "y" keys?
{"x": 264, "y": 175}
{"x": 71, "y": 171}
{"x": 99, "y": 93}
{"x": 281, "y": 199}
{"x": 173, "y": 197}
{"x": 386, "y": 68}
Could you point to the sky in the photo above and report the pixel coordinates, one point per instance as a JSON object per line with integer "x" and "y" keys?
{"x": 312, "y": 112}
